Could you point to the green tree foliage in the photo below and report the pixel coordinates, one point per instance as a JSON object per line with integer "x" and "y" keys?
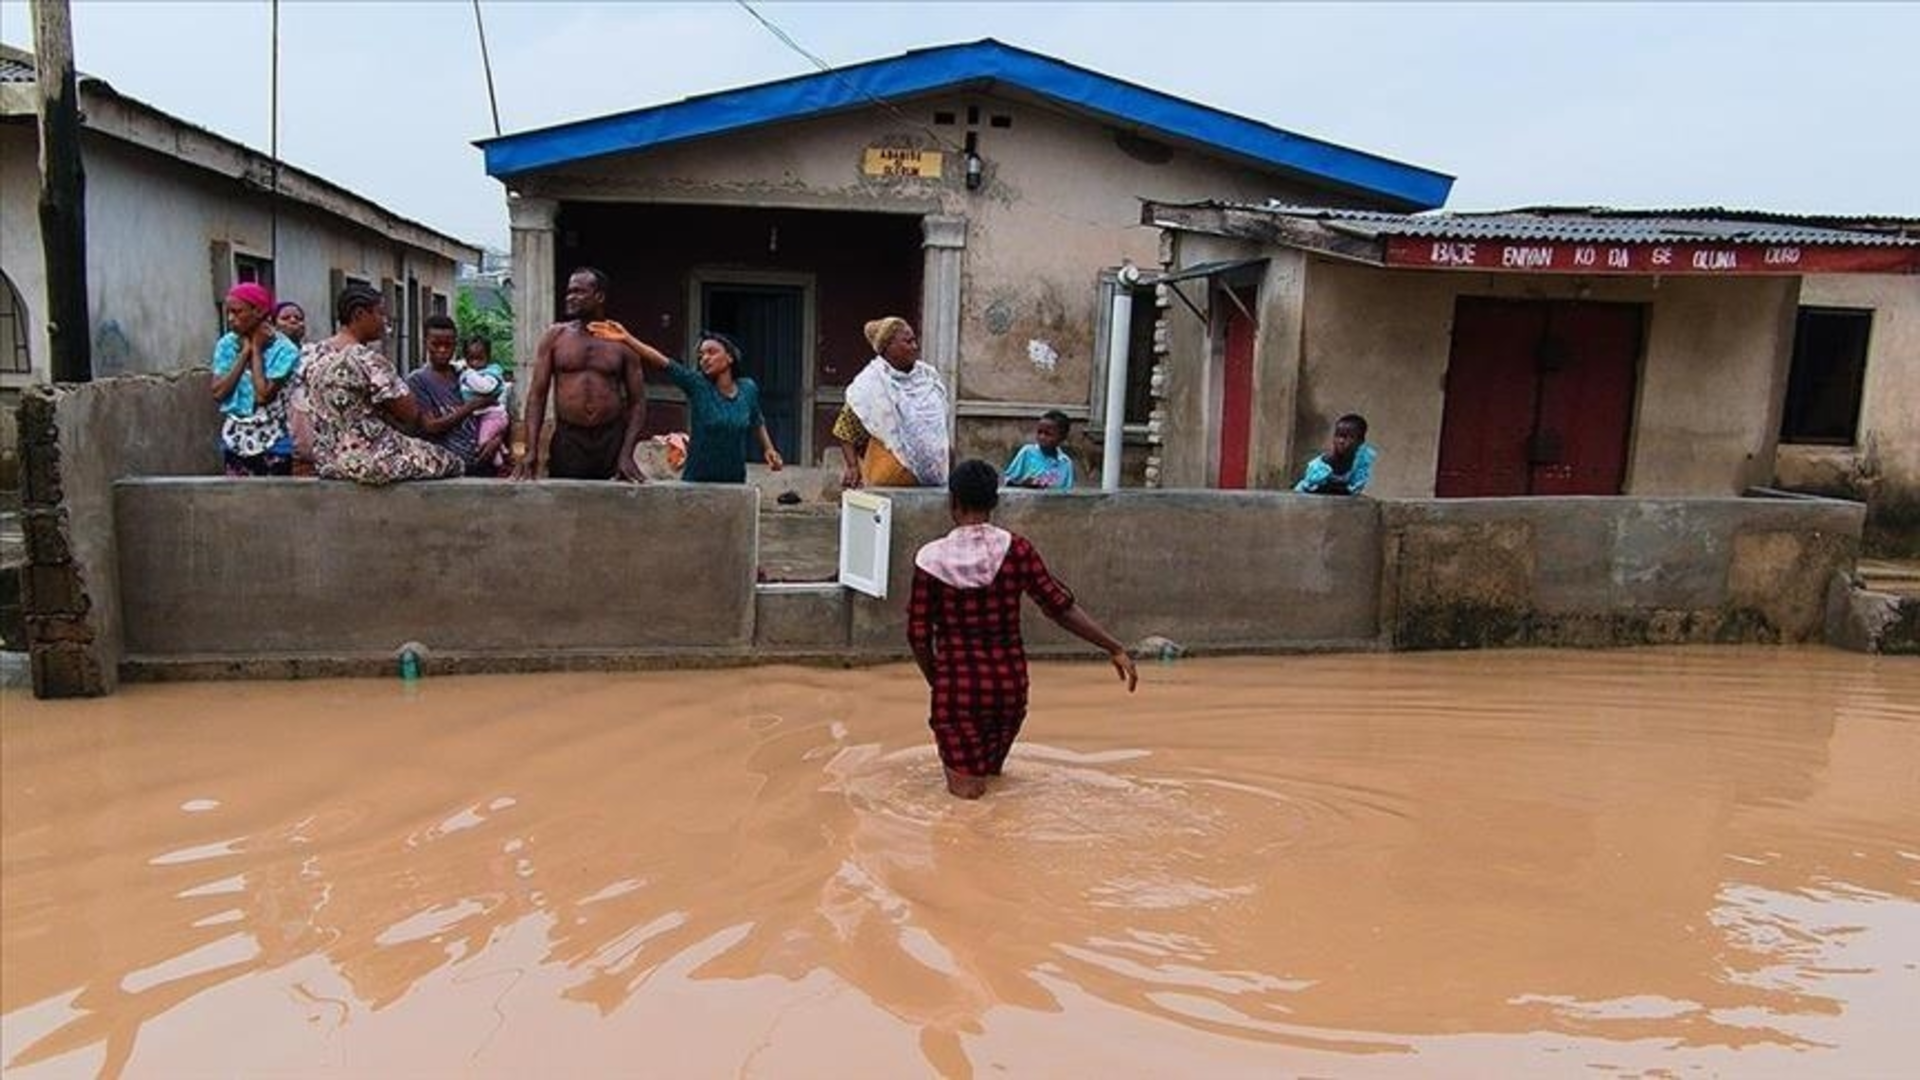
{"x": 493, "y": 323}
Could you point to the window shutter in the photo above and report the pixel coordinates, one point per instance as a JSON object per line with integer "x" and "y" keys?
{"x": 866, "y": 532}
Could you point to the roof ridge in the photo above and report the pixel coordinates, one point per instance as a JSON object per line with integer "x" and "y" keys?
{"x": 943, "y": 68}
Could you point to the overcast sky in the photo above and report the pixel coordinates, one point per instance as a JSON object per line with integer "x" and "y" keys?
{"x": 1770, "y": 106}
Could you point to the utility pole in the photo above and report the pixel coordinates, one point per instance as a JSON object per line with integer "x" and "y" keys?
{"x": 63, "y": 193}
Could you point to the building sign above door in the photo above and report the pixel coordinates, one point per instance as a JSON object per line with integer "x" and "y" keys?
{"x": 1562, "y": 257}
{"x": 899, "y": 161}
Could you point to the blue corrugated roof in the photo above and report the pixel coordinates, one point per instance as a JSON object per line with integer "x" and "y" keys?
{"x": 977, "y": 64}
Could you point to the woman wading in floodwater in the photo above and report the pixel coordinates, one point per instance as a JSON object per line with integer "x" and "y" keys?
{"x": 964, "y": 625}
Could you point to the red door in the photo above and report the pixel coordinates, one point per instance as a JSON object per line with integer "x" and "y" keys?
{"x": 1586, "y": 399}
{"x": 1236, "y": 392}
{"x": 1488, "y": 418}
{"x": 1539, "y": 398}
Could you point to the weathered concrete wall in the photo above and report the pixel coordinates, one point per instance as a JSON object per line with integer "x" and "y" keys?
{"x": 1882, "y": 467}
{"x": 181, "y": 570}
{"x": 665, "y": 574}
{"x": 1470, "y": 573}
{"x": 152, "y": 223}
{"x": 1190, "y": 452}
{"x": 76, "y": 441}
{"x": 1711, "y": 385}
{"x": 1219, "y": 570}
{"x": 288, "y": 567}
{"x": 21, "y": 257}
{"x": 1060, "y": 202}
{"x": 1861, "y": 619}
{"x": 1706, "y": 413}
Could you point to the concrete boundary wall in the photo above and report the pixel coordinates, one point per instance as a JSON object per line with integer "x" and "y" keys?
{"x": 296, "y": 578}
{"x": 1214, "y": 570}
{"x": 292, "y": 568}
{"x": 1475, "y": 573}
{"x": 75, "y": 442}
{"x": 205, "y": 577}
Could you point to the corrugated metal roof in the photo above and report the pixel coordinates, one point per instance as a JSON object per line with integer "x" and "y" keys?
{"x": 14, "y": 70}
{"x": 1586, "y": 227}
{"x": 1837, "y": 221}
{"x": 178, "y": 133}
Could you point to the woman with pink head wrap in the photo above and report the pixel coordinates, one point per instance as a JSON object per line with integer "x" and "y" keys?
{"x": 252, "y": 364}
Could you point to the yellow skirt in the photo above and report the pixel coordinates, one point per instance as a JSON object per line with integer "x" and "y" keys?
{"x": 879, "y": 468}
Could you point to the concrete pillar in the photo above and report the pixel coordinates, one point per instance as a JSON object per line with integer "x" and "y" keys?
{"x": 945, "y": 243}
{"x": 1278, "y": 447}
{"x": 532, "y": 221}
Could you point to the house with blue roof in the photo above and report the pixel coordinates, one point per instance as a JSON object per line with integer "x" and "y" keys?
{"x": 988, "y": 194}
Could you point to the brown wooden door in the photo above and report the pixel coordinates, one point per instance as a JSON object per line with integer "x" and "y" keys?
{"x": 1236, "y": 392}
{"x": 1539, "y": 398}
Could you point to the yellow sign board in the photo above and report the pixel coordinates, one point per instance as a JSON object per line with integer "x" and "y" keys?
{"x": 896, "y": 161}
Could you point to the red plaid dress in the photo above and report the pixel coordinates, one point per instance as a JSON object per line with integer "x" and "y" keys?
{"x": 980, "y": 665}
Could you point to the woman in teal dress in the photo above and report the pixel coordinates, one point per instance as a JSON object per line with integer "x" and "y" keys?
{"x": 723, "y": 408}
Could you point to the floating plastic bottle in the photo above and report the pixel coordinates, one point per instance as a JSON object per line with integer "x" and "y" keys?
{"x": 1163, "y": 649}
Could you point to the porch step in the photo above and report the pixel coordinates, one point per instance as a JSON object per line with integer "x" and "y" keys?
{"x": 802, "y": 617}
{"x": 1899, "y": 577}
{"x": 800, "y": 543}
{"x": 1866, "y": 615}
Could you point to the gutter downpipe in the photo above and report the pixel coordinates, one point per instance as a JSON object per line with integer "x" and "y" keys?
{"x": 1119, "y": 344}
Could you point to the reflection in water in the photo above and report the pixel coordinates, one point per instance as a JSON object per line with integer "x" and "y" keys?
{"x": 1463, "y": 864}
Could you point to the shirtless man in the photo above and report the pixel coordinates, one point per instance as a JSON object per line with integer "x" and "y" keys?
{"x": 601, "y": 399}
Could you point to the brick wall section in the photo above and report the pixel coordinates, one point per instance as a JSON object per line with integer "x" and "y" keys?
{"x": 53, "y": 594}
{"x": 75, "y": 441}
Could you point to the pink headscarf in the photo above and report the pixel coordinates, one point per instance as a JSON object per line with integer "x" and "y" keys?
{"x": 253, "y": 294}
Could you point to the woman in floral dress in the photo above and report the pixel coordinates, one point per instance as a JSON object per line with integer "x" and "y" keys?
{"x": 360, "y": 406}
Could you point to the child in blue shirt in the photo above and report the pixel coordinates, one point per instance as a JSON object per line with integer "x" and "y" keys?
{"x": 1041, "y": 463}
{"x": 1346, "y": 466}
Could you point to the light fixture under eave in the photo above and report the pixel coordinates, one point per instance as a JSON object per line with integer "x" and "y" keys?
{"x": 975, "y": 170}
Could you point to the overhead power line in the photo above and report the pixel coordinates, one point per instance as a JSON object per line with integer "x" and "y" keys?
{"x": 826, "y": 68}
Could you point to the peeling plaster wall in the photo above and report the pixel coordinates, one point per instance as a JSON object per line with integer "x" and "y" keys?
{"x": 1059, "y": 202}
{"x": 1712, "y": 384}
{"x": 78, "y": 440}
{"x": 1710, "y": 377}
{"x": 152, "y": 223}
{"x": 1883, "y": 465}
{"x": 20, "y": 252}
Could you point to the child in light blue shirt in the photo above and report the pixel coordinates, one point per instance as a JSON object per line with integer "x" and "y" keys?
{"x": 1041, "y": 463}
{"x": 1346, "y": 466}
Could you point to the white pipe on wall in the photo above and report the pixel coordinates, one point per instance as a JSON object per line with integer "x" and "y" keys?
{"x": 1119, "y": 343}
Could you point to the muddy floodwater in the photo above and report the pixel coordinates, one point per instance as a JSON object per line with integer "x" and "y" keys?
{"x": 1695, "y": 862}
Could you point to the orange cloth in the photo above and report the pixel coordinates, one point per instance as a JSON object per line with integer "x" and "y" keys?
{"x": 879, "y": 468}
